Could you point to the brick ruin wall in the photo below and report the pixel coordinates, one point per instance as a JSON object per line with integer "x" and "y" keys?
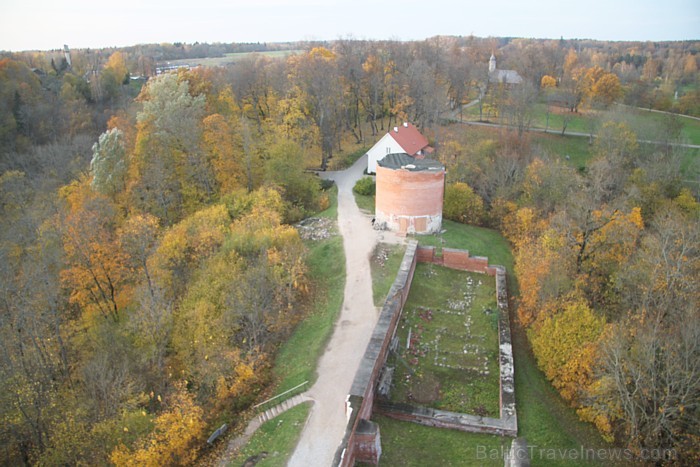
{"x": 358, "y": 444}
{"x": 362, "y": 437}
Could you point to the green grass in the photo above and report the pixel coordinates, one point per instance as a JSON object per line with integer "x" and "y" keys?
{"x": 365, "y": 203}
{"x": 644, "y": 122}
{"x": 409, "y": 444}
{"x": 577, "y": 122}
{"x": 297, "y": 358}
{"x": 645, "y": 119}
{"x": 543, "y": 418}
{"x": 276, "y": 437}
{"x": 385, "y": 262}
{"x": 453, "y": 355}
{"x": 478, "y": 240}
{"x": 332, "y": 211}
{"x": 577, "y": 148}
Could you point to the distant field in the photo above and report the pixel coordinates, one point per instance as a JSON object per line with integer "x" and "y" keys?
{"x": 228, "y": 59}
{"x": 645, "y": 123}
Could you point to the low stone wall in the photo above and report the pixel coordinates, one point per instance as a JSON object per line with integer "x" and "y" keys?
{"x": 444, "y": 419}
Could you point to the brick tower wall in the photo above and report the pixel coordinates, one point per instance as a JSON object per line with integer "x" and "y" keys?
{"x": 410, "y": 201}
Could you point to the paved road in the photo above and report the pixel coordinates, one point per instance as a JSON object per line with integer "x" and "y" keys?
{"x": 325, "y": 427}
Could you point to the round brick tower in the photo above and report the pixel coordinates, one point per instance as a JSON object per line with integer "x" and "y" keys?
{"x": 409, "y": 194}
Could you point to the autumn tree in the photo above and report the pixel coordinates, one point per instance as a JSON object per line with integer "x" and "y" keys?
{"x": 314, "y": 76}
{"x": 173, "y": 442}
{"x": 462, "y": 204}
{"x": 650, "y": 381}
{"x": 169, "y": 174}
{"x": 615, "y": 149}
{"x": 284, "y": 168}
{"x": 373, "y": 91}
{"x": 566, "y": 347}
{"x": 97, "y": 275}
{"x": 113, "y": 77}
{"x": 109, "y": 163}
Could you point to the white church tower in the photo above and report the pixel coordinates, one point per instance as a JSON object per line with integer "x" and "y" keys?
{"x": 492, "y": 63}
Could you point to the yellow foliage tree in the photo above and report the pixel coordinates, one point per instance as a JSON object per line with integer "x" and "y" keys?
{"x": 97, "y": 273}
{"x": 565, "y": 345}
{"x": 187, "y": 243}
{"x": 548, "y": 82}
{"x": 178, "y": 430}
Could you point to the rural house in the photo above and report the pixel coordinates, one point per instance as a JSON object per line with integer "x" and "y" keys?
{"x": 400, "y": 139}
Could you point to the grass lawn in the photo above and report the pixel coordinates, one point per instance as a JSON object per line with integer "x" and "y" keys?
{"x": 478, "y": 240}
{"x": 364, "y": 202}
{"x": 297, "y": 358}
{"x": 543, "y": 418}
{"x": 409, "y": 444}
{"x": 448, "y": 343}
{"x": 385, "y": 261}
{"x": 577, "y": 148}
{"x": 577, "y": 121}
{"x": 277, "y": 438}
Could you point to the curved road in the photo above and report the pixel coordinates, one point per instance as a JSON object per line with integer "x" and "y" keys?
{"x": 325, "y": 427}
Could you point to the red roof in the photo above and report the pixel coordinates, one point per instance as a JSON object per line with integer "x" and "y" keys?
{"x": 409, "y": 138}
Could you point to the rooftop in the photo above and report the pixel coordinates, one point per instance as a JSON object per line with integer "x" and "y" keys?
{"x": 409, "y": 138}
{"x": 404, "y": 161}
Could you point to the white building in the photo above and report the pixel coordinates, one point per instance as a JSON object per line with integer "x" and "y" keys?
{"x": 502, "y": 76}
{"x": 402, "y": 139}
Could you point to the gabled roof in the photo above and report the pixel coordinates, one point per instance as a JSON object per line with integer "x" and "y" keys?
{"x": 404, "y": 161}
{"x": 409, "y": 138}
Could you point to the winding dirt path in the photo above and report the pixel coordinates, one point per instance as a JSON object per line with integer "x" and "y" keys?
{"x": 325, "y": 426}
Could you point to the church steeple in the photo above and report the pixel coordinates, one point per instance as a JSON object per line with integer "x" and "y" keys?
{"x": 492, "y": 63}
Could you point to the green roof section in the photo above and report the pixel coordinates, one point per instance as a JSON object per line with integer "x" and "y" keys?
{"x": 404, "y": 161}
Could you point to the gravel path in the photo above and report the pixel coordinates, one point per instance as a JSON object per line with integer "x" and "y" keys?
{"x": 325, "y": 426}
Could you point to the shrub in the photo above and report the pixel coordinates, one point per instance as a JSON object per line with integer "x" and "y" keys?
{"x": 365, "y": 186}
{"x": 462, "y": 204}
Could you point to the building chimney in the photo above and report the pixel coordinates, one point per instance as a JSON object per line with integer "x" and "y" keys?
{"x": 396, "y": 129}
{"x": 405, "y": 124}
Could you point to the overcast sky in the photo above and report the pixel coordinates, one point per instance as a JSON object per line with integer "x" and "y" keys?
{"x": 48, "y": 24}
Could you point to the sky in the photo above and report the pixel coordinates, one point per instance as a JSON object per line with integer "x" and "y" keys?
{"x": 48, "y": 24}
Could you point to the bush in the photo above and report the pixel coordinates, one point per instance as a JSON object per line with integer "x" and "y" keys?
{"x": 462, "y": 204}
{"x": 365, "y": 186}
{"x": 326, "y": 184}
